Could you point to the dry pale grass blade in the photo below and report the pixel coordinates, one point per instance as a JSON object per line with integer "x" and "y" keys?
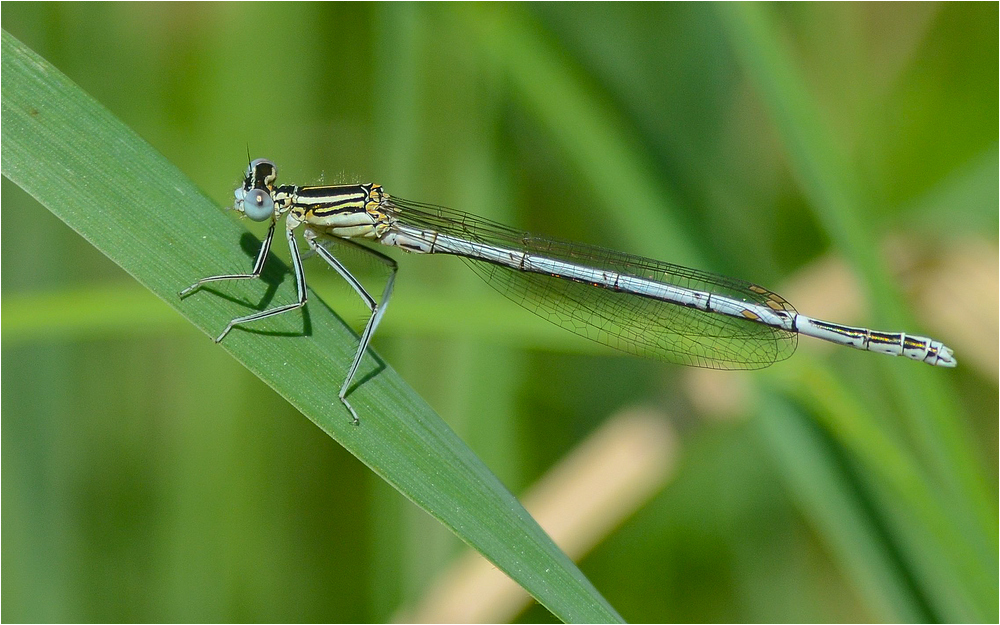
{"x": 579, "y": 502}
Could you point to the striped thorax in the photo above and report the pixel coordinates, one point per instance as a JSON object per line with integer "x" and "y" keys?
{"x": 350, "y": 211}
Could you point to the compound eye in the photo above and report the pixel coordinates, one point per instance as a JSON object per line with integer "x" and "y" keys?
{"x": 258, "y": 205}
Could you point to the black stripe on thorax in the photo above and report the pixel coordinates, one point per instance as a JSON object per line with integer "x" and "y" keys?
{"x": 332, "y": 199}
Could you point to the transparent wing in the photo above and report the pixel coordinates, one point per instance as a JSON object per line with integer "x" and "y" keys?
{"x": 638, "y": 325}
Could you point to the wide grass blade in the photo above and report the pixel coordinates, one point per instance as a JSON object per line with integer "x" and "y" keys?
{"x": 114, "y": 189}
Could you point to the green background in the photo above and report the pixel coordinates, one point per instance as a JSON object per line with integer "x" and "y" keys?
{"x": 147, "y": 476}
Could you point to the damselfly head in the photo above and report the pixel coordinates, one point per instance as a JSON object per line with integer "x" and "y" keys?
{"x": 253, "y": 197}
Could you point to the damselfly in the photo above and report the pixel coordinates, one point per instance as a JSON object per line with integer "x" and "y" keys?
{"x": 638, "y": 305}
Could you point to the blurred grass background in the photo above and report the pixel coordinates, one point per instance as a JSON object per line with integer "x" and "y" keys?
{"x": 147, "y": 476}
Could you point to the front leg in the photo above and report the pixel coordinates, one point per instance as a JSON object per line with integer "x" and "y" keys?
{"x": 300, "y": 286}
{"x": 258, "y": 266}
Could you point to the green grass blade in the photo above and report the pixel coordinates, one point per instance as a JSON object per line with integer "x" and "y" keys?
{"x": 592, "y": 135}
{"x": 114, "y": 189}
{"x": 827, "y": 496}
{"x": 836, "y": 195}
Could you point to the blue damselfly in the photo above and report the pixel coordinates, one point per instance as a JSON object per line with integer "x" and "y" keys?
{"x": 638, "y": 305}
